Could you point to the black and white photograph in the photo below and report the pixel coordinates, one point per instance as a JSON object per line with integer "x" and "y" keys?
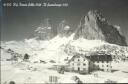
{"x": 63, "y": 41}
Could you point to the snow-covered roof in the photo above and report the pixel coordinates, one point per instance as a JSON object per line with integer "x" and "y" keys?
{"x": 91, "y": 56}
{"x": 77, "y": 56}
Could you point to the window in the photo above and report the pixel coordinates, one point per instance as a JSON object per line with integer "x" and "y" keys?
{"x": 84, "y": 59}
{"x": 78, "y": 60}
{"x": 72, "y": 63}
{"x": 84, "y": 64}
{"x": 107, "y": 65}
{"x": 78, "y": 64}
{"x": 72, "y": 68}
{"x": 102, "y": 65}
{"x": 78, "y": 68}
{"x": 84, "y": 69}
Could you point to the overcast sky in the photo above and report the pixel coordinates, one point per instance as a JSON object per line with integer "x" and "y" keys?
{"x": 20, "y": 22}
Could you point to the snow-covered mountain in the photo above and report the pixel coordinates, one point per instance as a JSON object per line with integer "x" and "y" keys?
{"x": 59, "y": 48}
{"x": 93, "y": 35}
{"x": 44, "y": 31}
{"x": 63, "y": 29}
{"x": 93, "y": 26}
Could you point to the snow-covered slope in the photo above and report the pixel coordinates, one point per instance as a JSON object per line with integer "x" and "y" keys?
{"x": 53, "y": 49}
{"x": 4, "y": 55}
{"x": 89, "y": 47}
{"x": 59, "y": 48}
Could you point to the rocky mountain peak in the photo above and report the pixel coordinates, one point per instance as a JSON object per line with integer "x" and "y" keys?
{"x": 96, "y": 15}
{"x": 94, "y": 26}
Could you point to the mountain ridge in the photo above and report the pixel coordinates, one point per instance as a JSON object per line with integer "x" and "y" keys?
{"x": 93, "y": 26}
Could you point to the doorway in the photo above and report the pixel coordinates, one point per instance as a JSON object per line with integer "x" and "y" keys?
{"x": 78, "y": 68}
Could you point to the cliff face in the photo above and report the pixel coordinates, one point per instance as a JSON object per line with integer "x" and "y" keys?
{"x": 95, "y": 26}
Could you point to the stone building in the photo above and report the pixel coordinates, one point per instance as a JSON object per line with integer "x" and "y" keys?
{"x": 85, "y": 64}
{"x": 101, "y": 62}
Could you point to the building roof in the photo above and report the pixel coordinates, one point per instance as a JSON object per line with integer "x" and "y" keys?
{"x": 100, "y": 57}
{"x": 93, "y": 57}
{"x": 78, "y": 56}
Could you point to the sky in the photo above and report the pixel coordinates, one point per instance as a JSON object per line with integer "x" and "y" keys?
{"x": 19, "y": 22}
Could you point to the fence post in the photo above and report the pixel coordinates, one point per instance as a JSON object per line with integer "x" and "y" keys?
{"x": 53, "y": 79}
